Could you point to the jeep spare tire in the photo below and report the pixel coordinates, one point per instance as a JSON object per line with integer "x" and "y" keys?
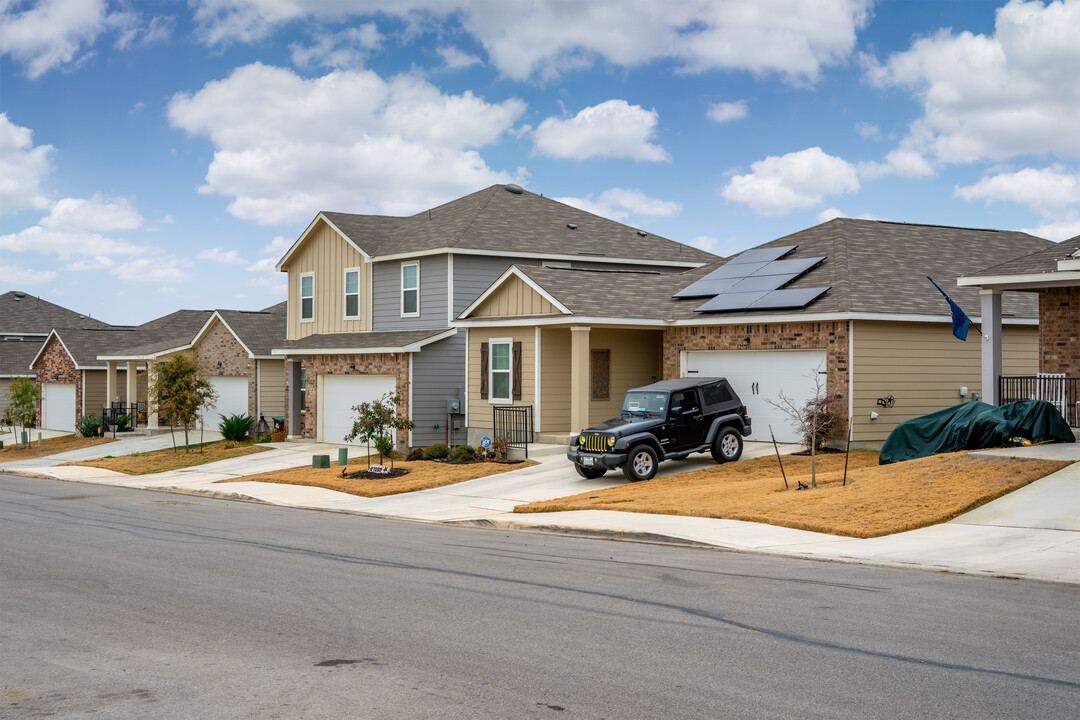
{"x": 727, "y": 447}
{"x": 589, "y": 473}
{"x": 641, "y": 463}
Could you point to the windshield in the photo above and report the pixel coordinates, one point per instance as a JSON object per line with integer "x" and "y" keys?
{"x": 645, "y": 402}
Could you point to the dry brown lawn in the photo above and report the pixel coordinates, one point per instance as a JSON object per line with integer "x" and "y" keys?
{"x": 422, "y": 475}
{"x": 878, "y": 499}
{"x": 163, "y": 460}
{"x": 51, "y": 446}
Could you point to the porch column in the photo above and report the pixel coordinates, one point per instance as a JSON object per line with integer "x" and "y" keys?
{"x": 579, "y": 378}
{"x": 111, "y": 387}
{"x": 294, "y": 398}
{"x": 132, "y": 379}
{"x": 991, "y": 345}
{"x": 151, "y": 385}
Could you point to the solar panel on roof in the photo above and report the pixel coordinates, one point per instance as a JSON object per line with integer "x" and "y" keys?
{"x": 755, "y": 279}
{"x": 731, "y": 301}
{"x": 762, "y": 254}
{"x": 783, "y": 267}
{"x": 797, "y": 298}
{"x": 704, "y": 287}
{"x": 762, "y": 282}
{"x": 739, "y": 270}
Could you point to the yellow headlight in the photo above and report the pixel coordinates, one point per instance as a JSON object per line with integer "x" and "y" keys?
{"x": 610, "y": 441}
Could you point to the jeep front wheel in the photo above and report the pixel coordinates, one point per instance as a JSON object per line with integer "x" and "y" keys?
{"x": 640, "y": 464}
{"x": 589, "y": 473}
{"x": 727, "y": 447}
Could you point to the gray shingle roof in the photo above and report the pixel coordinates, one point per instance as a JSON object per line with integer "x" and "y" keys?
{"x": 1040, "y": 261}
{"x": 362, "y": 340}
{"x": 15, "y": 357}
{"x": 21, "y": 312}
{"x": 496, "y": 220}
{"x": 871, "y": 266}
{"x": 174, "y": 330}
{"x": 260, "y": 331}
{"x": 84, "y": 345}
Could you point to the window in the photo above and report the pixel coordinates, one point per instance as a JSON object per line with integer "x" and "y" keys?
{"x": 352, "y": 294}
{"x": 501, "y": 371}
{"x": 600, "y": 377}
{"x": 303, "y": 389}
{"x": 307, "y": 297}
{"x": 410, "y": 289}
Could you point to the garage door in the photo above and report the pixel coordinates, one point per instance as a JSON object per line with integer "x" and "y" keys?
{"x": 758, "y": 376}
{"x": 58, "y": 406}
{"x": 340, "y": 393}
{"x": 232, "y": 399}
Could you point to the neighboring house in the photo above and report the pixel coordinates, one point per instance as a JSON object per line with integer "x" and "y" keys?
{"x": 25, "y": 324}
{"x": 231, "y": 346}
{"x": 371, "y": 298}
{"x": 854, "y": 305}
{"x": 1052, "y": 275}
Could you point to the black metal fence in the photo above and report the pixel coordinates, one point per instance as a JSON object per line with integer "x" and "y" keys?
{"x": 1061, "y": 392}
{"x": 516, "y": 423}
{"x": 136, "y": 413}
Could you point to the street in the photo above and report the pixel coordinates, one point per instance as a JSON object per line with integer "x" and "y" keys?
{"x": 127, "y": 603}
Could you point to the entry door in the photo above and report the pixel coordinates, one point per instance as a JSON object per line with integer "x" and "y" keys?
{"x": 760, "y": 376}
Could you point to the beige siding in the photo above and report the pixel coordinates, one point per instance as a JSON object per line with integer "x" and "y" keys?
{"x": 515, "y": 299}
{"x": 272, "y": 390}
{"x": 923, "y": 367}
{"x": 5, "y": 384}
{"x": 555, "y": 380}
{"x": 327, "y": 254}
{"x": 480, "y": 415}
{"x": 94, "y": 389}
{"x": 635, "y": 361}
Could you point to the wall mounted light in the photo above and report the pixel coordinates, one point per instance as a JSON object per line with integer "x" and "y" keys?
{"x": 874, "y": 415}
{"x": 745, "y": 342}
{"x": 352, "y": 367}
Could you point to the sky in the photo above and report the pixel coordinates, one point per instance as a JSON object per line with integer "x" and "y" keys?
{"x": 158, "y": 155}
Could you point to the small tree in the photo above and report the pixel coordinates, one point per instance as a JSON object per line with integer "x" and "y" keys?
{"x": 180, "y": 392}
{"x": 22, "y": 403}
{"x": 813, "y": 420}
{"x": 376, "y": 421}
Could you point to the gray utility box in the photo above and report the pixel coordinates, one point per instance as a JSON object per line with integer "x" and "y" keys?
{"x": 453, "y": 407}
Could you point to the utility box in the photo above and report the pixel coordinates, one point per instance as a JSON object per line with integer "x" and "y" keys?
{"x": 453, "y": 406}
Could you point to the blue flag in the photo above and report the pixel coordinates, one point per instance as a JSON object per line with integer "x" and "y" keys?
{"x": 960, "y": 320}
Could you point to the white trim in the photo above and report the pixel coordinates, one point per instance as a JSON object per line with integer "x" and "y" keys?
{"x": 42, "y": 349}
{"x": 543, "y": 256}
{"x": 465, "y": 410}
{"x": 449, "y": 288}
{"x": 513, "y": 271}
{"x": 536, "y": 382}
{"x": 1023, "y": 281}
{"x": 410, "y": 399}
{"x": 411, "y": 347}
{"x": 850, "y": 377}
{"x": 82, "y": 410}
{"x": 403, "y": 289}
{"x": 300, "y": 288}
{"x": 492, "y": 400}
{"x": 258, "y": 390}
{"x": 682, "y": 364}
{"x": 743, "y": 320}
{"x": 307, "y": 231}
{"x": 345, "y": 292}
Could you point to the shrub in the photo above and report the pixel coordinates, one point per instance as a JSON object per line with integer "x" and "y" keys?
{"x": 89, "y": 425}
{"x": 500, "y": 446}
{"x": 385, "y": 446}
{"x": 265, "y": 438}
{"x": 464, "y": 452}
{"x": 121, "y": 423}
{"x": 436, "y": 452}
{"x": 235, "y": 427}
{"x": 415, "y": 454}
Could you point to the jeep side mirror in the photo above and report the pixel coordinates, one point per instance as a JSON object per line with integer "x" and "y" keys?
{"x": 677, "y": 410}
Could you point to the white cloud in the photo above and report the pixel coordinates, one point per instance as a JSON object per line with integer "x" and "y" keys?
{"x": 715, "y": 245}
{"x": 14, "y": 276}
{"x": 22, "y": 166}
{"x": 614, "y": 129}
{"x": 790, "y": 37}
{"x": 618, "y": 203}
{"x": 98, "y": 262}
{"x": 224, "y": 257}
{"x": 277, "y": 247}
{"x": 266, "y": 264}
{"x": 286, "y": 146}
{"x": 50, "y": 33}
{"x": 777, "y": 185}
{"x": 98, "y": 213}
{"x": 73, "y": 227}
{"x": 1057, "y": 230}
{"x": 868, "y": 131}
{"x": 726, "y": 111}
{"x": 990, "y": 97}
{"x": 342, "y": 50}
{"x": 1048, "y": 189}
{"x": 833, "y": 213}
{"x": 456, "y": 58}
{"x": 161, "y": 269}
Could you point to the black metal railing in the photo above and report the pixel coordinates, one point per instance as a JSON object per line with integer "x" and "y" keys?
{"x": 136, "y": 413}
{"x": 1061, "y": 392}
{"x": 516, "y": 423}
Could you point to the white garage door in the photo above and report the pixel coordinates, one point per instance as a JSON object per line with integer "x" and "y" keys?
{"x": 58, "y": 406}
{"x": 232, "y": 399}
{"x": 758, "y": 376}
{"x": 340, "y": 393}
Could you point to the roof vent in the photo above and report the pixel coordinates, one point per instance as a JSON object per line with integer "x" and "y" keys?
{"x": 572, "y": 226}
{"x": 512, "y": 188}
{"x": 642, "y": 233}
{"x": 19, "y": 295}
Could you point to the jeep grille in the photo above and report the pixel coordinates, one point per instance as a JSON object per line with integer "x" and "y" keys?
{"x": 594, "y": 443}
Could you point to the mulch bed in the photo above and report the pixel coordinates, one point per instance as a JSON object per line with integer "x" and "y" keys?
{"x": 452, "y": 461}
{"x": 367, "y": 475}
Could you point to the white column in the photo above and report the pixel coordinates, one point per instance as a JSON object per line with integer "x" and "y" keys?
{"x": 151, "y": 384}
{"x": 294, "y": 398}
{"x": 991, "y": 345}
{"x": 579, "y": 378}
{"x": 132, "y": 390}
{"x": 111, "y": 387}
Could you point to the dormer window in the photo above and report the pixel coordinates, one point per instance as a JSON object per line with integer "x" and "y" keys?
{"x": 307, "y": 297}
{"x": 352, "y": 294}
{"x": 410, "y": 289}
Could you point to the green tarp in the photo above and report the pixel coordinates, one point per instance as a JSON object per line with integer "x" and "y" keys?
{"x": 971, "y": 426}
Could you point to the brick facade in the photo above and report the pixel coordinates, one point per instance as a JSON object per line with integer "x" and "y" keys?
{"x": 219, "y": 353}
{"x": 396, "y": 364}
{"x": 1059, "y": 331}
{"x": 829, "y": 336}
{"x": 56, "y": 366}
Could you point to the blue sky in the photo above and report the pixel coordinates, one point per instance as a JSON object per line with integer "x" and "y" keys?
{"x": 159, "y": 155}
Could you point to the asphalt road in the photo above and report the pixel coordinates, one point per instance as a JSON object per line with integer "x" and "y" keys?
{"x": 132, "y": 604}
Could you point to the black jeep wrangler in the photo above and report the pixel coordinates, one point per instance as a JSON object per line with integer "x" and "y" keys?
{"x": 664, "y": 421}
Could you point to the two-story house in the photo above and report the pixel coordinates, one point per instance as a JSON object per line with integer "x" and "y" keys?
{"x": 371, "y": 299}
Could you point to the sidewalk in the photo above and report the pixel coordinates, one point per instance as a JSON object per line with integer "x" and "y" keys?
{"x": 1031, "y": 533}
